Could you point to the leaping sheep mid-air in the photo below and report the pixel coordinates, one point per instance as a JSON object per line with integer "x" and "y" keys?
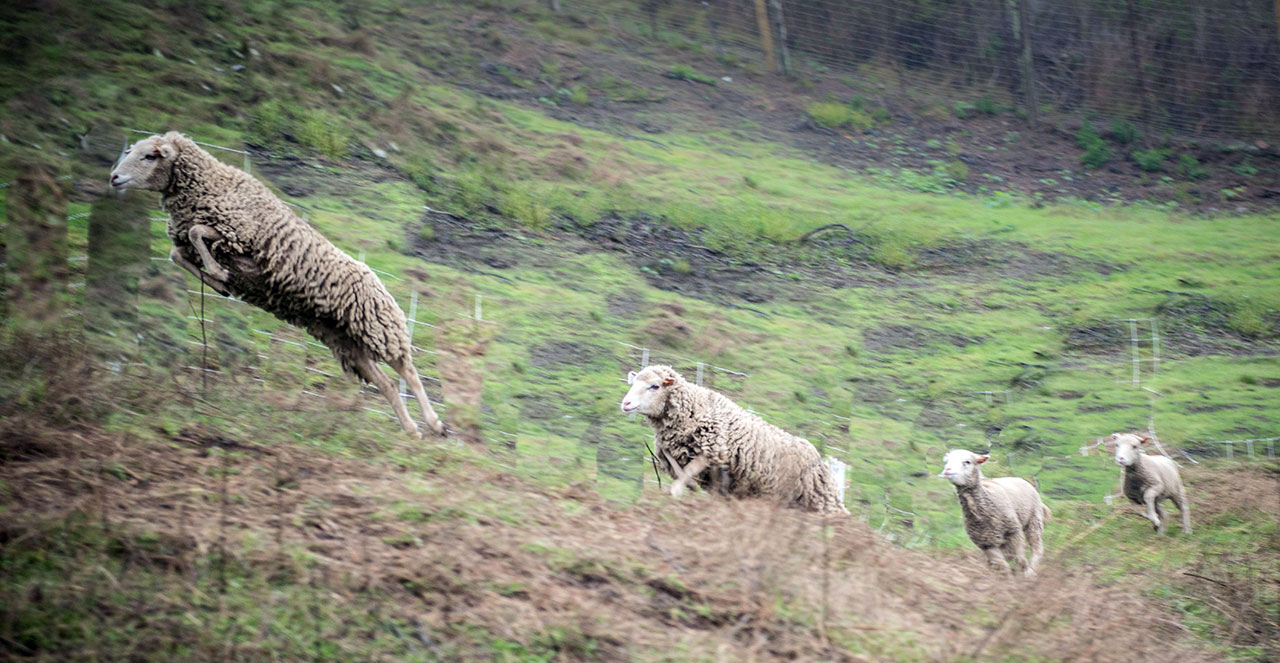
{"x": 1002, "y": 516}
{"x": 251, "y": 245}
{"x": 700, "y": 435}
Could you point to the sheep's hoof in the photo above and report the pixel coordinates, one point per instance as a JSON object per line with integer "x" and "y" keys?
{"x": 677, "y": 490}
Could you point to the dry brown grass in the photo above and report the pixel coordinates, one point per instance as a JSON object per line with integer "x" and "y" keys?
{"x": 466, "y": 546}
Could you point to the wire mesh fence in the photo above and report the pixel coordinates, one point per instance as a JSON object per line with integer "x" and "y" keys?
{"x": 210, "y": 336}
{"x": 1208, "y": 70}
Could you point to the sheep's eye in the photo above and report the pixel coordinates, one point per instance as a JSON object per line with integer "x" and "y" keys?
{"x": 652, "y": 387}
{"x": 149, "y": 157}
{"x": 966, "y": 462}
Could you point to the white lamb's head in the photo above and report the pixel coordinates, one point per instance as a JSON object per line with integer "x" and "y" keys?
{"x": 1128, "y": 446}
{"x": 148, "y": 164}
{"x": 650, "y": 389}
{"x": 960, "y": 467}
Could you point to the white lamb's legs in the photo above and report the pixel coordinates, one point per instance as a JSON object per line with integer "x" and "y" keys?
{"x": 688, "y": 473}
{"x": 1150, "y": 498}
{"x": 1036, "y": 541}
{"x": 370, "y": 371}
{"x": 1185, "y": 510}
{"x": 410, "y": 374}
{"x": 176, "y": 256}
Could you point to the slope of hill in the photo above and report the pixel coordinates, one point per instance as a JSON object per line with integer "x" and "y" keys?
{"x": 888, "y": 315}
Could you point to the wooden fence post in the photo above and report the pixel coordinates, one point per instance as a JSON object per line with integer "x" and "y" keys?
{"x": 782, "y": 36}
{"x": 1028, "y": 67}
{"x": 36, "y": 245}
{"x": 766, "y": 36}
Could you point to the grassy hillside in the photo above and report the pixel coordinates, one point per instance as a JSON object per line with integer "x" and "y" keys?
{"x": 598, "y": 201}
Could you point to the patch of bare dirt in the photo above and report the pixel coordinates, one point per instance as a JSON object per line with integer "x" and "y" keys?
{"x": 895, "y": 337}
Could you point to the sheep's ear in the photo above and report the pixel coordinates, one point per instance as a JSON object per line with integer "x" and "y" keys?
{"x": 1145, "y": 439}
{"x": 984, "y": 458}
{"x": 668, "y": 382}
{"x": 631, "y": 377}
{"x": 166, "y": 150}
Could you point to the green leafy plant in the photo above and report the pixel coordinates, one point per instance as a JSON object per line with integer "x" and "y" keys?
{"x": 1097, "y": 152}
{"x": 1191, "y": 169}
{"x": 1150, "y": 160}
{"x": 1124, "y": 132}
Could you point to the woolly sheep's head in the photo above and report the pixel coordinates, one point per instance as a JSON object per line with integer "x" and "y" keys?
{"x": 960, "y": 467}
{"x": 1128, "y": 446}
{"x": 147, "y": 165}
{"x": 649, "y": 390}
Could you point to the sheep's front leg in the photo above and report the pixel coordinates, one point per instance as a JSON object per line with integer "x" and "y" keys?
{"x": 198, "y": 234}
{"x": 996, "y": 560}
{"x": 1018, "y": 550}
{"x": 176, "y": 256}
{"x": 1149, "y": 497}
{"x": 690, "y": 471}
{"x": 1185, "y": 510}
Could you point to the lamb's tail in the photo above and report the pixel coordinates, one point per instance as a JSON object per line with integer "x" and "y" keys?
{"x": 1047, "y": 513}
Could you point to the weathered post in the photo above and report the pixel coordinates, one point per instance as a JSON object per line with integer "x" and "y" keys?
{"x": 119, "y": 236}
{"x": 766, "y": 36}
{"x": 782, "y": 36}
{"x": 36, "y": 245}
{"x": 1028, "y": 66}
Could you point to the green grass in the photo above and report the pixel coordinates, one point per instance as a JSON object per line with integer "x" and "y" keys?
{"x": 823, "y": 361}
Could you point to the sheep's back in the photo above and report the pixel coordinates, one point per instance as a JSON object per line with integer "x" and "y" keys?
{"x": 1018, "y": 495}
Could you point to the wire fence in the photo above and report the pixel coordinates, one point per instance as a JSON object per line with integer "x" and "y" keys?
{"x": 1207, "y": 70}
{"x": 283, "y": 358}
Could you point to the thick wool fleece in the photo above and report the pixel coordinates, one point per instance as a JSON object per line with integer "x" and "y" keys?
{"x": 997, "y": 509}
{"x": 760, "y": 459}
{"x": 280, "y": 263}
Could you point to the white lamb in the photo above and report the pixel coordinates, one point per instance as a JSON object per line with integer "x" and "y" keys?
{"x": 1002, "y": 516}
{"x": 231, "y": 232}
{"x": 1150, "y": 479}
{"x": 701, "y": 436}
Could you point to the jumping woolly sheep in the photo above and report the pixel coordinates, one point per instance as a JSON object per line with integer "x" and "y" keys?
{"x": 1150, "y": 479}
{"x": 1002, "y": 516}
{"x": 700, "y": 435}
{"x": 251, "y": 245}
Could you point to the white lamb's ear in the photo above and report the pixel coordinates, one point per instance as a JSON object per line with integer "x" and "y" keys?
{"x": 166, "y": 150}
{"x": 984, "y": 458}
{"x": 631, "y": 377}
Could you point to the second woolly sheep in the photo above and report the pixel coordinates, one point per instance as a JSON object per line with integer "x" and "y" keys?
{"x": 700, "y": 435}
{"x": 1002, "y": 516}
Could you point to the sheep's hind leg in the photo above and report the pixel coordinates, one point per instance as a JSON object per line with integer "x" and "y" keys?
{"x": 404, "y": 366}
{"x": 1185, "y": 510}
{"x": 369, "y": 370}
{"x": 198, "y": 234}
{"x": 1035, "y": 540}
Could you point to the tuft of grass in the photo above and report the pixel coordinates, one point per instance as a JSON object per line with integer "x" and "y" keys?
{"x": 686, "y": 73}
{"x": 835, "y": 115}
